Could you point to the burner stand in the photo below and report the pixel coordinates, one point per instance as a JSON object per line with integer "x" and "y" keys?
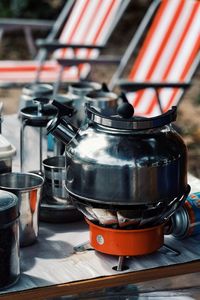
{"x": 122, "y": 242}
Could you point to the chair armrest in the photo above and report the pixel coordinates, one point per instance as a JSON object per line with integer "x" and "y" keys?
{"x": 135, "y": 86}
{"x": 6, "y": 23}
{"x": 108, "y": 59}
{"x": 53, "y": 45}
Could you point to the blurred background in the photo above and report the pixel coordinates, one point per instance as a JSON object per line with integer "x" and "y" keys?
{"x": 13, "y": 46}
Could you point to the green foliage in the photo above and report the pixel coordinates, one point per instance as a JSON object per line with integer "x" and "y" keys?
{"x": 29, "y": 9}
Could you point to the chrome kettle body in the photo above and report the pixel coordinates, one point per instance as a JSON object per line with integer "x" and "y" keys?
{"x": 121, "y": 161}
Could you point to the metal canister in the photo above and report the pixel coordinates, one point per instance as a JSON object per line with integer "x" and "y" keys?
{"x": 186, "y": 221}
{"x": 9, "y": 239}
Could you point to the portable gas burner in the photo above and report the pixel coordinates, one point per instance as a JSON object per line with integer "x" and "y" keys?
{"x": 116, "y": 231}
{"x": 122, "y": 242}
{"x": 126, "y": 243}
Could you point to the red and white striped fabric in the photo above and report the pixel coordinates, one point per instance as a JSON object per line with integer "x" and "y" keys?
{"x": 90, "y": 22}
{"x": 170, "y": 53}
{"x": 25, "y": 72}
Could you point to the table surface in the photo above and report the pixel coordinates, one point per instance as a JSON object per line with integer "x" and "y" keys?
{"x": 146, "y": 279}
{"x": 153, "y": 277}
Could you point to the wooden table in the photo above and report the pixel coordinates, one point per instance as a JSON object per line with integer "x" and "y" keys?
{"x": 104, "y": 282}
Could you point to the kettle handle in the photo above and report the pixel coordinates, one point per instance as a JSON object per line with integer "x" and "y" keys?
{"x": 134, "y": 123}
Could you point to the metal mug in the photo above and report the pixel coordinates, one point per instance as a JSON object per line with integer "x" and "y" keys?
{"x": 27, "y": 187}
{"x": 54, "y": 180}
{"x": 77, "y": 92}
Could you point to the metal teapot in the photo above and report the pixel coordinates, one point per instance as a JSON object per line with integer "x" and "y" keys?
{"x": 124, "y": 162}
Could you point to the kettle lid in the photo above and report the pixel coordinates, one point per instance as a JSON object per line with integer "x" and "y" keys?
{"x": 125, "y": 119}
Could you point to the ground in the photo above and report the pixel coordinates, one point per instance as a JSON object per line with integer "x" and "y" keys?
{"x": 13, "y": 47}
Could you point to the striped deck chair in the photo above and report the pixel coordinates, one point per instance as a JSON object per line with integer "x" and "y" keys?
{"x": 85, "y": 32}
{"x": 167, "y": 59}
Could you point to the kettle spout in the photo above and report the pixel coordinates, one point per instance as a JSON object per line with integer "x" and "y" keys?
{"x": 62, "y": 129}
{"x": 61, "y": 126}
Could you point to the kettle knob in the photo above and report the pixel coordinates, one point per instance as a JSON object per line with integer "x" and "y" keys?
{"x": 125, "y": 110}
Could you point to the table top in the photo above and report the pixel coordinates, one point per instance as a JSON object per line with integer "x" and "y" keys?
{"x": 51, "y": 268}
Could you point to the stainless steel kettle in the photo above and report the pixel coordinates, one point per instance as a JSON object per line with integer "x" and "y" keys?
{"x": 125, "y": 162}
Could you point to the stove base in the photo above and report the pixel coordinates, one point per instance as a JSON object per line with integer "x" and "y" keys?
{"x": 126, "y": 242}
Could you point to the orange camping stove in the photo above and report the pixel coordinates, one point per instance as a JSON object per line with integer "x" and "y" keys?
{"x": 122, "y": 242}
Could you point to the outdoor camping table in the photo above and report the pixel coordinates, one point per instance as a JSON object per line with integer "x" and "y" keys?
{"x": 50, "y": 267}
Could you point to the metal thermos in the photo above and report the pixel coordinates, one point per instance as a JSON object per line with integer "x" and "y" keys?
{"x": 33, "y": 143}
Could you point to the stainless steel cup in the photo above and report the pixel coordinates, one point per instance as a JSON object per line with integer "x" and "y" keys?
{"x": 77, "y": 92}
{"x": 27, "y": 187}
{"x": 55, "y": 206}
{"x": 54, "y": 180}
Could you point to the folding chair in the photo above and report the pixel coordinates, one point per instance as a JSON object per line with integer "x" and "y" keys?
{"x": 89, "y": 25}
{"x": 167, "y": 59}
{"x": 28, "y": 26}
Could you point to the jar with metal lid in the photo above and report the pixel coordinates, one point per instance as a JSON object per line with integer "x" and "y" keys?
{"x": 9, "y": 239}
